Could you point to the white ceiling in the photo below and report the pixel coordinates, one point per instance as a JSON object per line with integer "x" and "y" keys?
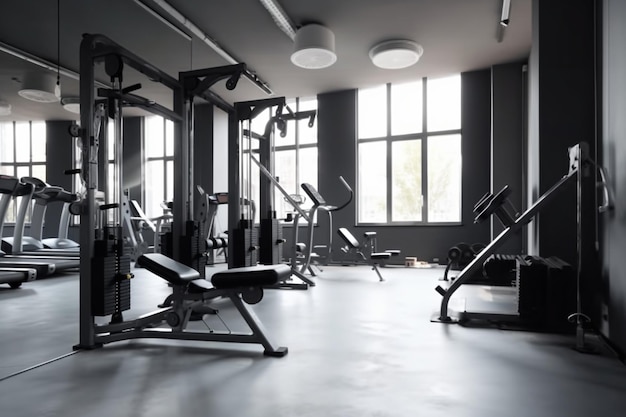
{"x": 457, "y": 35}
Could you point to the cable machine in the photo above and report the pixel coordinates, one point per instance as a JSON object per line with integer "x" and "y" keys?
{"x": 104, "y": 265}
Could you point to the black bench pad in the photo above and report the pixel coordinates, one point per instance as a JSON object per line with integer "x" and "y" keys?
{"x": 167, "y": 268}
{"x": 393, "y": 252}
{"x": 380, "y": 255}
{"x": 260, "y": 275}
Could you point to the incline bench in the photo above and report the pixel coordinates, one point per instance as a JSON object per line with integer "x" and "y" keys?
{"x": 190, "y": 295}
{"x": 375, "y": 258}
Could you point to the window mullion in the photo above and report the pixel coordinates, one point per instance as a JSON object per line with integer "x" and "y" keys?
{"x": 424, "y": 150}
{"x": 389, "y": 140}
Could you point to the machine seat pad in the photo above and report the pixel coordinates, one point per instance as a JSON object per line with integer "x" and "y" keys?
{"x": 393, "y": 252}
{"x": 369, "y": 234}
{"x": 170, "y": 270}
{"x": 380, "y": 255}
{"x": 251, "y": 276}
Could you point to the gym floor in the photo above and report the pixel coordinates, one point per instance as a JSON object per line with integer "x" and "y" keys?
{"x": 357, "y": 347}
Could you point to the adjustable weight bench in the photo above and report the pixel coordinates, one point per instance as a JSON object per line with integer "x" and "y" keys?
{"x": 375, "y": 258}
{"x": 190, "y": 294}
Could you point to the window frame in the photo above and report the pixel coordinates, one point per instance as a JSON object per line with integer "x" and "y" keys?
{"x": 424, "y": 136}
{"x": 164, "y": 158}
{"x": 21, "y": 164}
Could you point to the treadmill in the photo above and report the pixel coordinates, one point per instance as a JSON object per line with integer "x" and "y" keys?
{"x": 34, "y": 245}
{"x": 39, "y": 266}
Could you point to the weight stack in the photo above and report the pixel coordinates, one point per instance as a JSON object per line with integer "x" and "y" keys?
{"x": 547, "y": 293}
{"x": 193, "y": 248}
{"x": 166, "y": 244}
{"x": 110, "y": 286}
{"x": 501, "y": 270}
{"x": 271, "y": 242}
{"x": 245, "y": 241}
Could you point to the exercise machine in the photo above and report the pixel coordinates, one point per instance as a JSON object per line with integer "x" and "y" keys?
{"x": 208, "y": 205}
{"x": 14, "y": 275}
{"x": 42, "y": 194}
{"x": 498, "y": 205}
{"x": 105, "y": 266}
{"x": 374, "y": 259}
{"x": 11, "y": 187}
{"x": 459, "y": 256}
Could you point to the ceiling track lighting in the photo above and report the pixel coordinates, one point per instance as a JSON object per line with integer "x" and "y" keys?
{"x": 505, "y": 19}
{"x": 506, "y": 13}
{"x": 281, "y": 19}
{"x": 396, "y": 54}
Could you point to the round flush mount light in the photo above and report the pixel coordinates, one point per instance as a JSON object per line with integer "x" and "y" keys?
{"x": 39, "y": 87}
{"x": 71, "y": 104}
{"x": 396, "y": 54}
{"x": 314, "y": 47}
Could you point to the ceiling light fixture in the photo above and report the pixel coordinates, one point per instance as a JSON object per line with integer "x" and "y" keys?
{"x": 5, "y": 108}
{"x": 396, "y": 54}
{"x": 39, "y": 87}
{"x": 281, "y": 19}
{"x": 71, "y": 104}
{"x": 314, "y": 47}
{"x": 505, "y": 17}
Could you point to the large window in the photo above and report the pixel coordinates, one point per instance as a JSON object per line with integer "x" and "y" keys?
{"x": 159, "y": 168}
{"x": 409, "y": 153}
{"x": 22, "y": 153}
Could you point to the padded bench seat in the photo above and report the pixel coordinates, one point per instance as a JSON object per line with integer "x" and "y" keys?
{"x": 251, "y": 276}
{"x": 393, "y": 252}
{"x": 177, "y": 273}
{"x": 380, "y": 255}
{"x": 170, "y": 270}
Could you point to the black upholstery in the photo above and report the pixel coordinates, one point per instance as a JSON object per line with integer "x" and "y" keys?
{"x": 380, "y": 255}
{"x": 168, "y": 269}
{"x": 348, "y": 237}
{"x": 251, "y": 276}
{"x": 180, "y": 274}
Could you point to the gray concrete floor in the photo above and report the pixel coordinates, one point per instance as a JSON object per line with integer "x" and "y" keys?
{"x": 357, "y": 347}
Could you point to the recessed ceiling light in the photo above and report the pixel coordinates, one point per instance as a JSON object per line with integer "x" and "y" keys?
{"x": 396, "y": 54}
{"x": 314, "y": 47}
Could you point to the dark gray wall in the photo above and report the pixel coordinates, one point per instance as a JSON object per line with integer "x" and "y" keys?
{"x": 203, "y": 146}
{"x": 507, "y": 142}
{"x": 614, "y": 145}
{"x": 562, "y": 113}
{"x": 337, "y": 156}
